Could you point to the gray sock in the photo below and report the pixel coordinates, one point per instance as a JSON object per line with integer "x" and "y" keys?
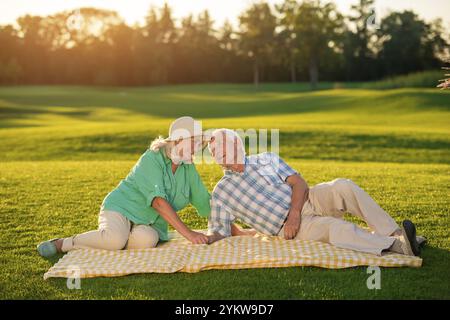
{"x": 396, "y": 246}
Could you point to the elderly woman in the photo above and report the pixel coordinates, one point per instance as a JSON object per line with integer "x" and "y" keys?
{"x": 137, "y": 212}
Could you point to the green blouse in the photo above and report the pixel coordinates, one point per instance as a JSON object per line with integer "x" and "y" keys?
{"x": 152, "y": 177}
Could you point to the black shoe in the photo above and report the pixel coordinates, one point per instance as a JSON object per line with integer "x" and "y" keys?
{"x": 409, "y": 232}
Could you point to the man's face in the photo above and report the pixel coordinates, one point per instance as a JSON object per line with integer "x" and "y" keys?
{"x": 226, "y": 161}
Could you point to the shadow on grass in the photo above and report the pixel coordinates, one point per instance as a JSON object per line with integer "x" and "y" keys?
{"x": 9, "y": 114}
{"x": 214, "y": 101}
{"x": 323, "y": 145}
{"x": 364, "y": 147}
{"x": 175, "y": 104}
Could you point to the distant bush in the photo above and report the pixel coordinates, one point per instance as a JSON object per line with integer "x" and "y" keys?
{"x": 424, "y": 79}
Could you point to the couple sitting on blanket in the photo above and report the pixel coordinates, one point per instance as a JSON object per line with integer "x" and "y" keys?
{"x": 260, "y": 190}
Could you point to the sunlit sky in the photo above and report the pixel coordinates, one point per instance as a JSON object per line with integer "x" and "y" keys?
{"x": 134, "y": 11}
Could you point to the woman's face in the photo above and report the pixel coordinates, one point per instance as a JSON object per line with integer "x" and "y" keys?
{"x": 191, "y": 145}
{"x": 186, "y": 148}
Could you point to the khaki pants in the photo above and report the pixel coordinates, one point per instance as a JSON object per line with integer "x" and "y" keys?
{"x": 115, "y": 232}
{"x": 322, "y": 214}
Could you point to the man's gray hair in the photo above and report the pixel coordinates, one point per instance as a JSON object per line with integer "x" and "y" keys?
{"x": 229, "y": 142}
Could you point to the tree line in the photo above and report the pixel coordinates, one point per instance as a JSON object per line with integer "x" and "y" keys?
{"x": 307, "y": 40}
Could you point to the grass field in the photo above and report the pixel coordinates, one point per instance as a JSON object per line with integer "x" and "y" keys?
{"x": 64, "y": 148}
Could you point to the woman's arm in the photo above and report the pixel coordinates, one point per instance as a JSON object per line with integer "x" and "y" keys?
{"x": 166, "y": 211}
{"x": 199, "y": 196}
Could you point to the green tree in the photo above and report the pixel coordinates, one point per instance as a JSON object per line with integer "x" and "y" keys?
{"x": 34, "y": 54}
{"x": 160, "y": 33}
{"x": 121, "y": 39}
{"x": 198, "y": 51}
{"x": 233, "y": 67}
{"x": 207, "y": 49}
{"x": 409, "y": 44}
{"x": 358, "y": 48}
{"x": 318, "y": 28}
{"x": 10, "y": 72}
{"x": 295, "y": 41}
{"x": 227, "y": 37}
{"x": 257, "y": 36}
{"x": 288, "y": 50}
{"x": 10, "y": 42}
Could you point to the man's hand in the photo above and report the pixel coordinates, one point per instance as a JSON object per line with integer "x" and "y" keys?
{"x": 214, "y": 237}
{"x": 292, "y": 225}
{"x": 198, "y": 238}
{"x": 236, "y": 231}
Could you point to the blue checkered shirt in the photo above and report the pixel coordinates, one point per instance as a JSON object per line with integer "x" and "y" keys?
{"x": 260, "y": 196}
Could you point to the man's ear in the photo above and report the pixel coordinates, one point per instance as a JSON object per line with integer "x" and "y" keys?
{"x": 210, "y": 147}
{"x": 235, "y": 150}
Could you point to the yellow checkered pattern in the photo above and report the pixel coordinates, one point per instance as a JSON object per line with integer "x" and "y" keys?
{"x": 178, "y": 255}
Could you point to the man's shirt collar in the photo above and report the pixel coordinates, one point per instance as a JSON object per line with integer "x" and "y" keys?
{"x": 167, "y": 160}
{"x": 235, "y": 173}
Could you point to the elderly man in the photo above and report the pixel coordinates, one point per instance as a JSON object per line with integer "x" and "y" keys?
{"x": 267, "y": 194}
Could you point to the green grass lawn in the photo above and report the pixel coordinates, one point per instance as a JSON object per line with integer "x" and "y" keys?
{"x": 64, "y": 148}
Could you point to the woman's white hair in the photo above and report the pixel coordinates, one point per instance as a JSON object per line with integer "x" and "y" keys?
{"x": 161, "y": 143}
{"x": 229, "y": 142}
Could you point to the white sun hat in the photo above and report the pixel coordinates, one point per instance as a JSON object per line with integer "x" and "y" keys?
{"x": 184, "y": 128}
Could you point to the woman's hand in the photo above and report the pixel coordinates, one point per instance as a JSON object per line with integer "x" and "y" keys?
{"x": 197, "y": 238}
{"x": 166, "y": 211}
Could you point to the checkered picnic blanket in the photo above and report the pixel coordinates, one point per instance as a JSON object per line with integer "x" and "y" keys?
{"x": 177, "y": 255}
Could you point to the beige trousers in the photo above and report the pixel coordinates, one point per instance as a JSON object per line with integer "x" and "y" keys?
{"x": 115, "y": 232}
{"x": 322, "y": 214}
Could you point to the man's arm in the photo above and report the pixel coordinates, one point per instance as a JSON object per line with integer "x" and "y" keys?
{"x": 299, "y": 196}
{"x": 215, "y": 236}
{"x": 236, "y": 231}
{"x": 220, "y": 221}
